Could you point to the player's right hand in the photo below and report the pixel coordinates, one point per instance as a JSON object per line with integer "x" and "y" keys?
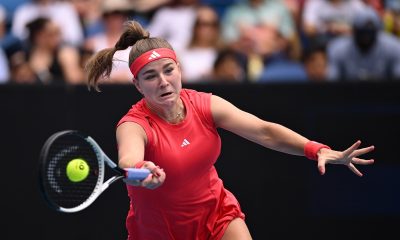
{"x": 155, "y": 179}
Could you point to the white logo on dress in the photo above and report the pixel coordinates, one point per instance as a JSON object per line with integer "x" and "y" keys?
{"x": 185, "y": 143}
{"x": 154, "y": 55}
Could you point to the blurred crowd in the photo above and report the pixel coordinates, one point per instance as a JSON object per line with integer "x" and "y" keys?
{"x": 229, "y": 41}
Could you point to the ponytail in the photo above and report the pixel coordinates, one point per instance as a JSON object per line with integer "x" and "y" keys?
{"x": 100, "y": 64}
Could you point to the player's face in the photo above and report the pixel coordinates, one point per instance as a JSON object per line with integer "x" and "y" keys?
{"x": 160, "y": 82}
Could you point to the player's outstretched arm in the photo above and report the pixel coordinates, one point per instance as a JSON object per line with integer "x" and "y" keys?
{"x": 283, "y": 139}
{"x": 268, "y": 134}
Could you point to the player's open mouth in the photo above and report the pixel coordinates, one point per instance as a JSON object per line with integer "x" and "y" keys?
{"x": 166, "y": 94}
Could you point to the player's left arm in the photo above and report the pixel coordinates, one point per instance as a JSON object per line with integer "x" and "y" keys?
{"x": 281, "y": 138}
{"x": 249, "y": 126}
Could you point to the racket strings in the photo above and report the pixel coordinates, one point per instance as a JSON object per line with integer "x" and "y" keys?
{"x": 59, "y": 188}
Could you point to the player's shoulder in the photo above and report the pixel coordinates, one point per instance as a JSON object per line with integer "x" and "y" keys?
{"x": 199, "y": 99}
{"x": 137, "y": 109}
{"x": 193, "y": 93}
{"x": 136, "y": 114}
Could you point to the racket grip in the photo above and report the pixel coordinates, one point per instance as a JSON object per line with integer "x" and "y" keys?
{"x": 136, "y": 174}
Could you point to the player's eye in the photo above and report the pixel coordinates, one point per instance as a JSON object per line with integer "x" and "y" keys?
{"x": 149, "y": 77}
{"x": 169, "y": 70}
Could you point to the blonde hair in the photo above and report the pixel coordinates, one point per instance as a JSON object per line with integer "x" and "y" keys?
{"x": 101, "y": 63}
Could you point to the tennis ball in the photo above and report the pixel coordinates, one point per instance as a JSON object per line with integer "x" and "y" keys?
{"x": 77, "y": 170}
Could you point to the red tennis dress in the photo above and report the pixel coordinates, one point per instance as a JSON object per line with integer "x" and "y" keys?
{"x": 192, "y": 204}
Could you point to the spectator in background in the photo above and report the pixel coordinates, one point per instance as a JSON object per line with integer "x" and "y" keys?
{"x": 315, "y": 62}
{"x": 198, "y": 58}
{"x": 44, "y": 53}
{"x": 144, "y": 9}
{"x": 246, "y": 27}
{"x": 295, "y": 8}
{"x": 4, "y": 66}
{"x": 228, "y": 68}
{"x": 89, "y": 13}
{"x": 369, "y": 54}
{"x": 174, "y": 22}
{"x": 327, "y": 19}
{"x": 378, "y": 5}
{"x": 3, "y": 22}
{"x": 114, "y": 14}
{"x": 278, "y": 66}
{"x": 61, "y": 12}
{"x": 249, "y": 14}
{"x": 21, "y": 71}
{"x": 18, "y": 70}
{"x": 391, "y": 17}
{"x": 9, "y": 44}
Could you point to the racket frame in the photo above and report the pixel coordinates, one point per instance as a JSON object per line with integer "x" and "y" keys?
{"x": 100, "y": 186}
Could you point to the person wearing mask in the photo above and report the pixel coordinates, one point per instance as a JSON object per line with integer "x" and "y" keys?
{"x": 368, "y": 54}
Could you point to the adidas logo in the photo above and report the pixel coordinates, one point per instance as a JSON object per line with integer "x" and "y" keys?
{"x": 185, "y": 143}
{"x": 154, "y": 55}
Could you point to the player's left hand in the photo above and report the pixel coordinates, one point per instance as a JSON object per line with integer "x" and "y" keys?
{"x": 348, "y": 157}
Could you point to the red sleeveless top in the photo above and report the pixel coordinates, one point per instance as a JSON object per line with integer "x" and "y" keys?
{"x": 192, "y": 203}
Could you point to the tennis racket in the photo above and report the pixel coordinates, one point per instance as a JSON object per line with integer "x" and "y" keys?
{"x": 72, "y": 171}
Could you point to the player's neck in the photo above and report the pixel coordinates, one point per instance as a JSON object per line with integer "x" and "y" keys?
{"x": 174, "y": 115}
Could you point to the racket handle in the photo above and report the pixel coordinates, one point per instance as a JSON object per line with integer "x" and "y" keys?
{"x": 136, "y": 173}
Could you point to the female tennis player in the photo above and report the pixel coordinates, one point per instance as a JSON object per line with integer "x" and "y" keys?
{"x": 173, "y": 132}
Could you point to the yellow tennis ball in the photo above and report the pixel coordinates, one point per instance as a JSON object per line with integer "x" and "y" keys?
{"x": 77, "y": 170}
